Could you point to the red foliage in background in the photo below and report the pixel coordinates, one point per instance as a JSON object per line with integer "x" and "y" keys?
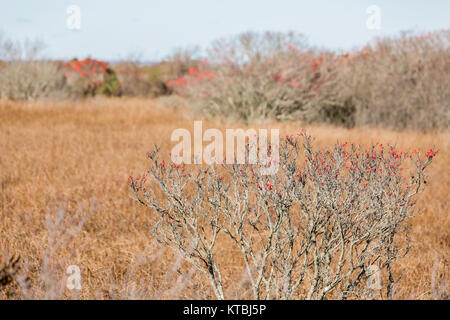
{"x": 193, "y": 75}
{"x": 88, "y": 68}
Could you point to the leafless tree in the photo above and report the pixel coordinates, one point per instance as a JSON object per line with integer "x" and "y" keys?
{"x": 322, "y": 227}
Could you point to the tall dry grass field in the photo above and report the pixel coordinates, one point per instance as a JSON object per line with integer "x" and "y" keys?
{"x": 72, "y": 161}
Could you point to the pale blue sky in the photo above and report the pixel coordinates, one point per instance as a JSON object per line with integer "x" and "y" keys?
{"x": 113, "y": 29}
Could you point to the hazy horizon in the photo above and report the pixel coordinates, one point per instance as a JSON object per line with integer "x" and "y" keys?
{"x": 112, "y": 31}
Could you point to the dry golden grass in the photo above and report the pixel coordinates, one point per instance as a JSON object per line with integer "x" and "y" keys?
{"x": 67, "y": 154}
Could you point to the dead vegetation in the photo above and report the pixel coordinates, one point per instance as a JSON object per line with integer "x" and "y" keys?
{"x": 63, "y": 156}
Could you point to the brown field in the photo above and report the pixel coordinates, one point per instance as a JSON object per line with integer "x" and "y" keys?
{"x": 70, "y": 154}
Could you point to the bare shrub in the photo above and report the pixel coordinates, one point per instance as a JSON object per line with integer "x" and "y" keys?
{"x": 20, "y": 50}
{"x": 138, "y": 79}
{"x": 142, "y": 81}
{"x": 44, "y": 277}
{"x": 258, "y": 76}
{"x": 24, "y": 75}
{"x": 25, "y": 80}
{"x": 394, "y": 82}
{"x": 132, "y": 76}
{"x": 180, "y": 61}
{"x": 321, "y": 227}
{"x": 399, "y": 82}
